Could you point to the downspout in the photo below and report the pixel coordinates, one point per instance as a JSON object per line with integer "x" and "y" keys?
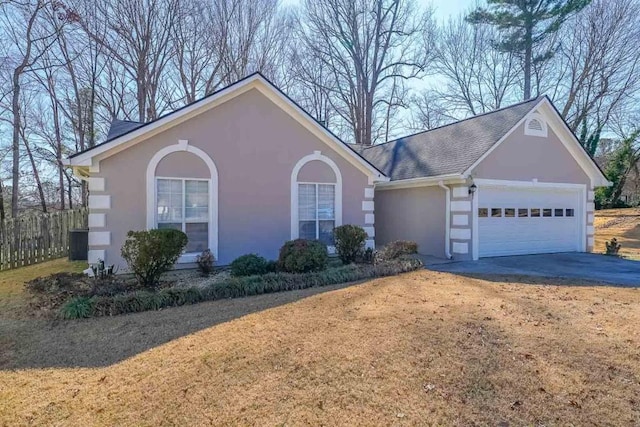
{"x": 447, "y": 220}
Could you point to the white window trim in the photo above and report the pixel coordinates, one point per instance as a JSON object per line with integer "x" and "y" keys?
{"x": 183, "y": 145}
{"x": 534, "y": 132}
{"x": 295, "y": 232}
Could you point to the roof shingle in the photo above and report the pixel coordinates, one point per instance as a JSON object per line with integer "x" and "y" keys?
{"x": 449, "y": 149}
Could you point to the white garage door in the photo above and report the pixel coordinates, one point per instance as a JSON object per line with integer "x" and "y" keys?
{"x": 525, "y": 220}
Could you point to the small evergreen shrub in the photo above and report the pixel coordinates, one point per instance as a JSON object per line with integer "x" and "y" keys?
{"x": 349, "y": 241}
{"x": 150, "y": 253}
{"x": 206, "y": 262}
{"x": 613, "y": 247}
{"x": 395, "y": 250}
{"x": 78, "y": 308}
{"x": 233, "y": 287}
{"x": 303, "y": 256}
{"x": 250, "y": 265}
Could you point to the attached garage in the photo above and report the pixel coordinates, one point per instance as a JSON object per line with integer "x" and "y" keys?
{"x": 527, "y": 219}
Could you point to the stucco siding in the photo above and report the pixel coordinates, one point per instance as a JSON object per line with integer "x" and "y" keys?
{"x": 416, "y": 214}
{"x": 255, "y": 146}
{"x": 523, "y": 157}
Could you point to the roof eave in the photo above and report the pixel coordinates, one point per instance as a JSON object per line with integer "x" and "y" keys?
{"x": 455, "y": 178}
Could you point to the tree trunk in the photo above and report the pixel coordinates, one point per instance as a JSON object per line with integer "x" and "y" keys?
{"x": 36, "y": 175}
{"x": 528, "y": 60}
{"x": 2, "y": 214}
{"x": 15, "y": 143}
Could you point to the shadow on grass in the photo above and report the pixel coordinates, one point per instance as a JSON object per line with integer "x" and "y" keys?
{"x": 103, "y": 341}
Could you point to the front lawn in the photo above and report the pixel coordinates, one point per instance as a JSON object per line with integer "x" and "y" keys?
{"x": 420, "y": 348}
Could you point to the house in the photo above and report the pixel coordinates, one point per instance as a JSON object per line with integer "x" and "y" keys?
{"x": 245, "y": 168}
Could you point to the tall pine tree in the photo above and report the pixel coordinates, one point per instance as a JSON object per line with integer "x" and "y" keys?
{"x": 524, "y": 25}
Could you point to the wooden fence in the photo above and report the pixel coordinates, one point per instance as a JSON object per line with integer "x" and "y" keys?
{"x": 31, "y": 239}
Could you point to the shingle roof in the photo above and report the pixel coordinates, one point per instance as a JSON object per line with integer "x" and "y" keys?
{"x": 449, "y": 149}
{"x": 120, "y": 127}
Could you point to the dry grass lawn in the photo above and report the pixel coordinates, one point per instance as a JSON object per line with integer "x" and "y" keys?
{"x": 421, "y": 348}
{"x": 624, "y": 225}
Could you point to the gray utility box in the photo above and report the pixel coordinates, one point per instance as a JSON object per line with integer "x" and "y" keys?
{"x": 78, "y": 244}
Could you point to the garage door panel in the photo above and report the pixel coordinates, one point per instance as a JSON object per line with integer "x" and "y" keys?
{"x": 518, "y": 235}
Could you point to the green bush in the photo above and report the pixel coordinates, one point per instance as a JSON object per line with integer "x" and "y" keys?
{"x": 78, "y": 308}
{"x": 612, "y": 247}
{"x": 233, "y": 287}
{"x": 250, "y": 265}
{"x": 150, "y": 253}
{"x": 395, "y": 250}
{"x": 205, "y": 262}
{"x": 303, "y": 256}
{"x": 349, "y": 240}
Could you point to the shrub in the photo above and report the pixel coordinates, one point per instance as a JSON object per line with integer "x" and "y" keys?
{"x": 150, "y": 253}
{"x": 231, "y": 288}
{"x": 395, "y": 250}
{"x": 205, "y": 262}
{"x": 78, "y": 308}
{"x": 303, "y": 256}
{"x": 250, "y": 265}
{"x": 366, "y": 256}
{"x": 613, "y": 247}
{"x": 349, "y": 240}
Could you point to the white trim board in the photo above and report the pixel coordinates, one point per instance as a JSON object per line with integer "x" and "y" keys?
{"x": 255, "y": 81}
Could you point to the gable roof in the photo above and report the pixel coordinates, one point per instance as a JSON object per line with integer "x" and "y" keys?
{"x": 124, "y": 134}
{"x": 449, "y": 149}
{"x": 452, "y": 151}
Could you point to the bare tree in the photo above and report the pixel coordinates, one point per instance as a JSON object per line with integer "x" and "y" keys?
{"x": 366, "y": 45}
{"x": 429, "y": 111}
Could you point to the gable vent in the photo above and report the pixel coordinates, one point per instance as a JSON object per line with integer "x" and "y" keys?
{"x": 535, "y": 126}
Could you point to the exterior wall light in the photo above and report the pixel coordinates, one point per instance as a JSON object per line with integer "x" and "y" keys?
{"x": 472, "y": 189}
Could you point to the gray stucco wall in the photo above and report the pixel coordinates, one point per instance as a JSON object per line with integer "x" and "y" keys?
{"x": 416, "y": 214}
{"x": 255, "y": 146}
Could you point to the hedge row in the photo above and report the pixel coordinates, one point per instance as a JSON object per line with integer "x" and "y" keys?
{"x": 234, "y": 287}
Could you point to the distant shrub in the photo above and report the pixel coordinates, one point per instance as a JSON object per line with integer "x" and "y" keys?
{"x": 150, "y": 253}
{"x": 349, "y": 241}
{"x": 78, "y": 308}
{"x": 613, "y": 247}
{"x": 233, "y": 287}
{"x": 303, "y": 256}
{"x": 395, "y": 250}
{"x": 366, "y": 256}
{"x": 206, "y": 261}
{"x": 249, "y": 265}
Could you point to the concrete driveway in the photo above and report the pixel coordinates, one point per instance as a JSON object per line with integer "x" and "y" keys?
{"x": 600, "y": 268}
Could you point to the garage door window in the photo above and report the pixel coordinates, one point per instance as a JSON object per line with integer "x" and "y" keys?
{"x": 546, "y": 212}
{"x": 509, "y": 212}
{"x": 496, "y": 212}
{"x": 483, "y": 212}
{"x": 523, "y": 212}
{"x": 559, "y": 212}
{"x": 570, "y": 212}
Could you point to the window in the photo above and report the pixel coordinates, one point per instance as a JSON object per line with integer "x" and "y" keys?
{"x": 558, "y": 212}
{"x": 546, "y": 212}
{"x": 569, "y": 212}
{"x": 483, "y": 212}
{"x": 535, "y": 212}
{"x": 509, "y": 212}
{"x": 496, "y": 212}
{"x": 523, "y": 212}
{"x": 183, "y": 204}
{"x": 316, "y": 212}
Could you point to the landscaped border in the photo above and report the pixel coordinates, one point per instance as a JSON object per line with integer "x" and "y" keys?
{"x": 135, "y": 302}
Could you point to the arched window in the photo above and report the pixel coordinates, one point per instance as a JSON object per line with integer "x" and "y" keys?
{"x": 535, "y": 125}
{"x": 316, "y": 198}
{"x": 182, "y": 193}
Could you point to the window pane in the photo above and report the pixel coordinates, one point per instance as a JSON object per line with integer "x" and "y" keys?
{"x": 483, "y": 212}
{"x": 169, "y": 200}
{"x": 570, "y": 212}
{"x": 546, "y": 212}
{"x": 523, "y": 212}
{"x": 496, "y": 212}
{"x": 198, "y": 235}
{"x": 307, "y": 203}
{"x": 509, "y": 212}
{"x": 307, "y": 230}
{"x": 558, "y": 212}
{"x": 326, "y": 201}
{"x": 326, "y": 232}
{"x": 535, "y": 212}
